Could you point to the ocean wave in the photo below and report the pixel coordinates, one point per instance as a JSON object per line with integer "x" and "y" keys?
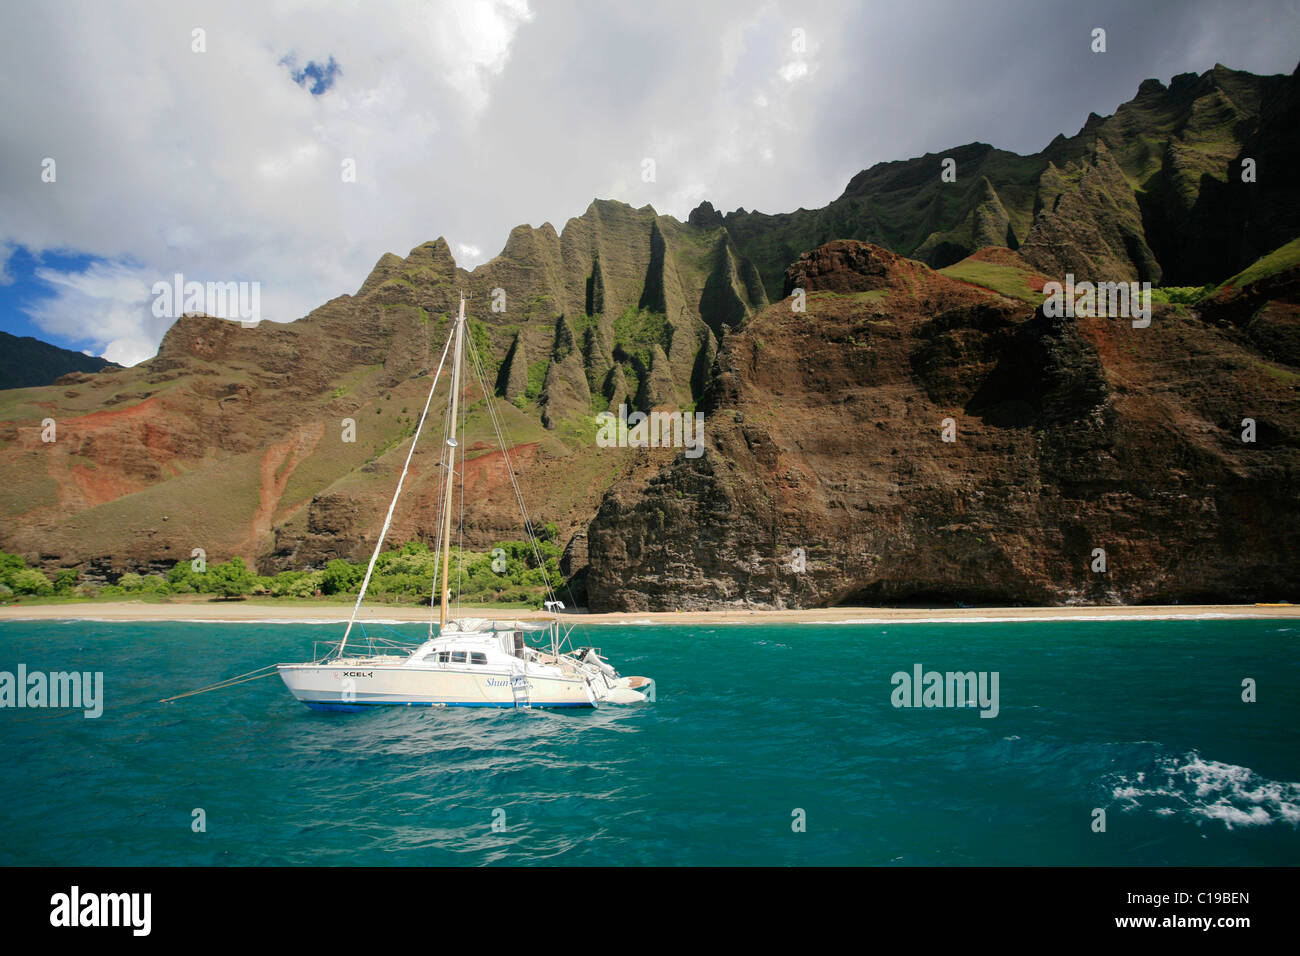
{"x": 1233, "y": 795}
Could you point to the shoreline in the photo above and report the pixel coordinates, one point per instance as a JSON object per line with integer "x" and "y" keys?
{"x": 237, "y": 612}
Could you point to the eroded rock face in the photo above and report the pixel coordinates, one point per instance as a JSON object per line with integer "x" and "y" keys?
{"x": 824, "y": 426}
{"x": 1262, "y": 312}
{"x": 1154, "y": 192}
{"x": 610, "y": 311}
{"x": 1092, "y": 227}
{"x": 827, "y": 479}
{"x": 843, "y": 267}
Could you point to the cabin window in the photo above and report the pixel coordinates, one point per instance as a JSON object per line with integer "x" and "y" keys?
{"x": 444, "y": 657}
{"x": 458, "y": 657}
{"x": 476, "y": 658}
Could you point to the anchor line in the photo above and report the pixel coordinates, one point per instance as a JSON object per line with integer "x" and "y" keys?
{"x": 228, "y": 682}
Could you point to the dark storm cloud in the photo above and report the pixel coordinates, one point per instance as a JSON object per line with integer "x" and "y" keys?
{"x": 467, "y": 118}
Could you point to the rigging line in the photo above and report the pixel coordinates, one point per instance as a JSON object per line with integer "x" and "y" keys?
{"x": 228, "y": 682}
{"x": 458, "y": 364}
{"x": 370, "y": 569}
{"x": 226, "y": 686}
{"x": 528, "y": 525}
{"x": 444, "y": 462}
{"x": 460, "y": 529}
{"x": 437, "y": 540}
{"x": 437, "y": 548}
{"x": 433, "y": 587}
{"x": 435, "y": 594}
{"x": 505, "y": 454}
{"x": 498, "y": 429}
{"x": 407, "y": 640}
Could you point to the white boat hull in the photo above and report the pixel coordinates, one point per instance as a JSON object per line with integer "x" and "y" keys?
{"x": 354, "y": 687}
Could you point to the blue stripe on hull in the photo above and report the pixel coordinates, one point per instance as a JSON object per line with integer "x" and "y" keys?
{"x": 359, "y": 707}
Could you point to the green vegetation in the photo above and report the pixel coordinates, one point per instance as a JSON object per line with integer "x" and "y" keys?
{"x": 1180, "y": 294}
{"x": 539, "y": 305}
{"x": 638, "y": 331}
{"x": 231, "y": 579}
{"x": 1004, "y": 279}
{"x": 507, "y": 574}
{"x": 536, "y": 379}
{"x": 482, "y": 339}
{"x": 17, "y": 578}
{"x": 1285, "y": 376}
{"x": 1280, "y": 259}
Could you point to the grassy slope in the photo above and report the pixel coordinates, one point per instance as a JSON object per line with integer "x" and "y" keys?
{"x": 1279, "y": 260}
{"x": 1007, "y": 279}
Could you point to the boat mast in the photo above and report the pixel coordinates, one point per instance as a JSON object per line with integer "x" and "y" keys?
{"x": 392, "y": 506}
{"x": 451, "y": 466}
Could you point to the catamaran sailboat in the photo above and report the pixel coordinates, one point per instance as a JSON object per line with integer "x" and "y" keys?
{"x": 469, "y": 662}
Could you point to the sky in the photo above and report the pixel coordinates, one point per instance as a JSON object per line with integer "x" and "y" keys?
{"x": 291, "y": 144}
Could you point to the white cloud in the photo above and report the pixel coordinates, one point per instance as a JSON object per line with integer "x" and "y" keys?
{"x": 794, "y": 70}
{"x": 218, "y": 166}
{"x": 111, "y": 300}
{"x": 464, "y": 118}
{"x": 472, "y": 38}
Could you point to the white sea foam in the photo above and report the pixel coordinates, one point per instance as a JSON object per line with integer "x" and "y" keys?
{"x": 1233, "y": 795}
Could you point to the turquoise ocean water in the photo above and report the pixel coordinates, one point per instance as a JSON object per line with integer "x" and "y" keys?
{"x": 753, "y": 723}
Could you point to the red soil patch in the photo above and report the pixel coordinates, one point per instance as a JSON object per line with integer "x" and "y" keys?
{"x": 277, "y": 465}
{"x": 114, "y": 416}
{"x": 94, "y": 486}
{"x": 487, "y": 474}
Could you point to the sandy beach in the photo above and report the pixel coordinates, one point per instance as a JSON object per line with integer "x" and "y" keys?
{"x": 236, "y": 611}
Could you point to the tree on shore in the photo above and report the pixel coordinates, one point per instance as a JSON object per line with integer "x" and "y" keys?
{"x": 231, "y": 579}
